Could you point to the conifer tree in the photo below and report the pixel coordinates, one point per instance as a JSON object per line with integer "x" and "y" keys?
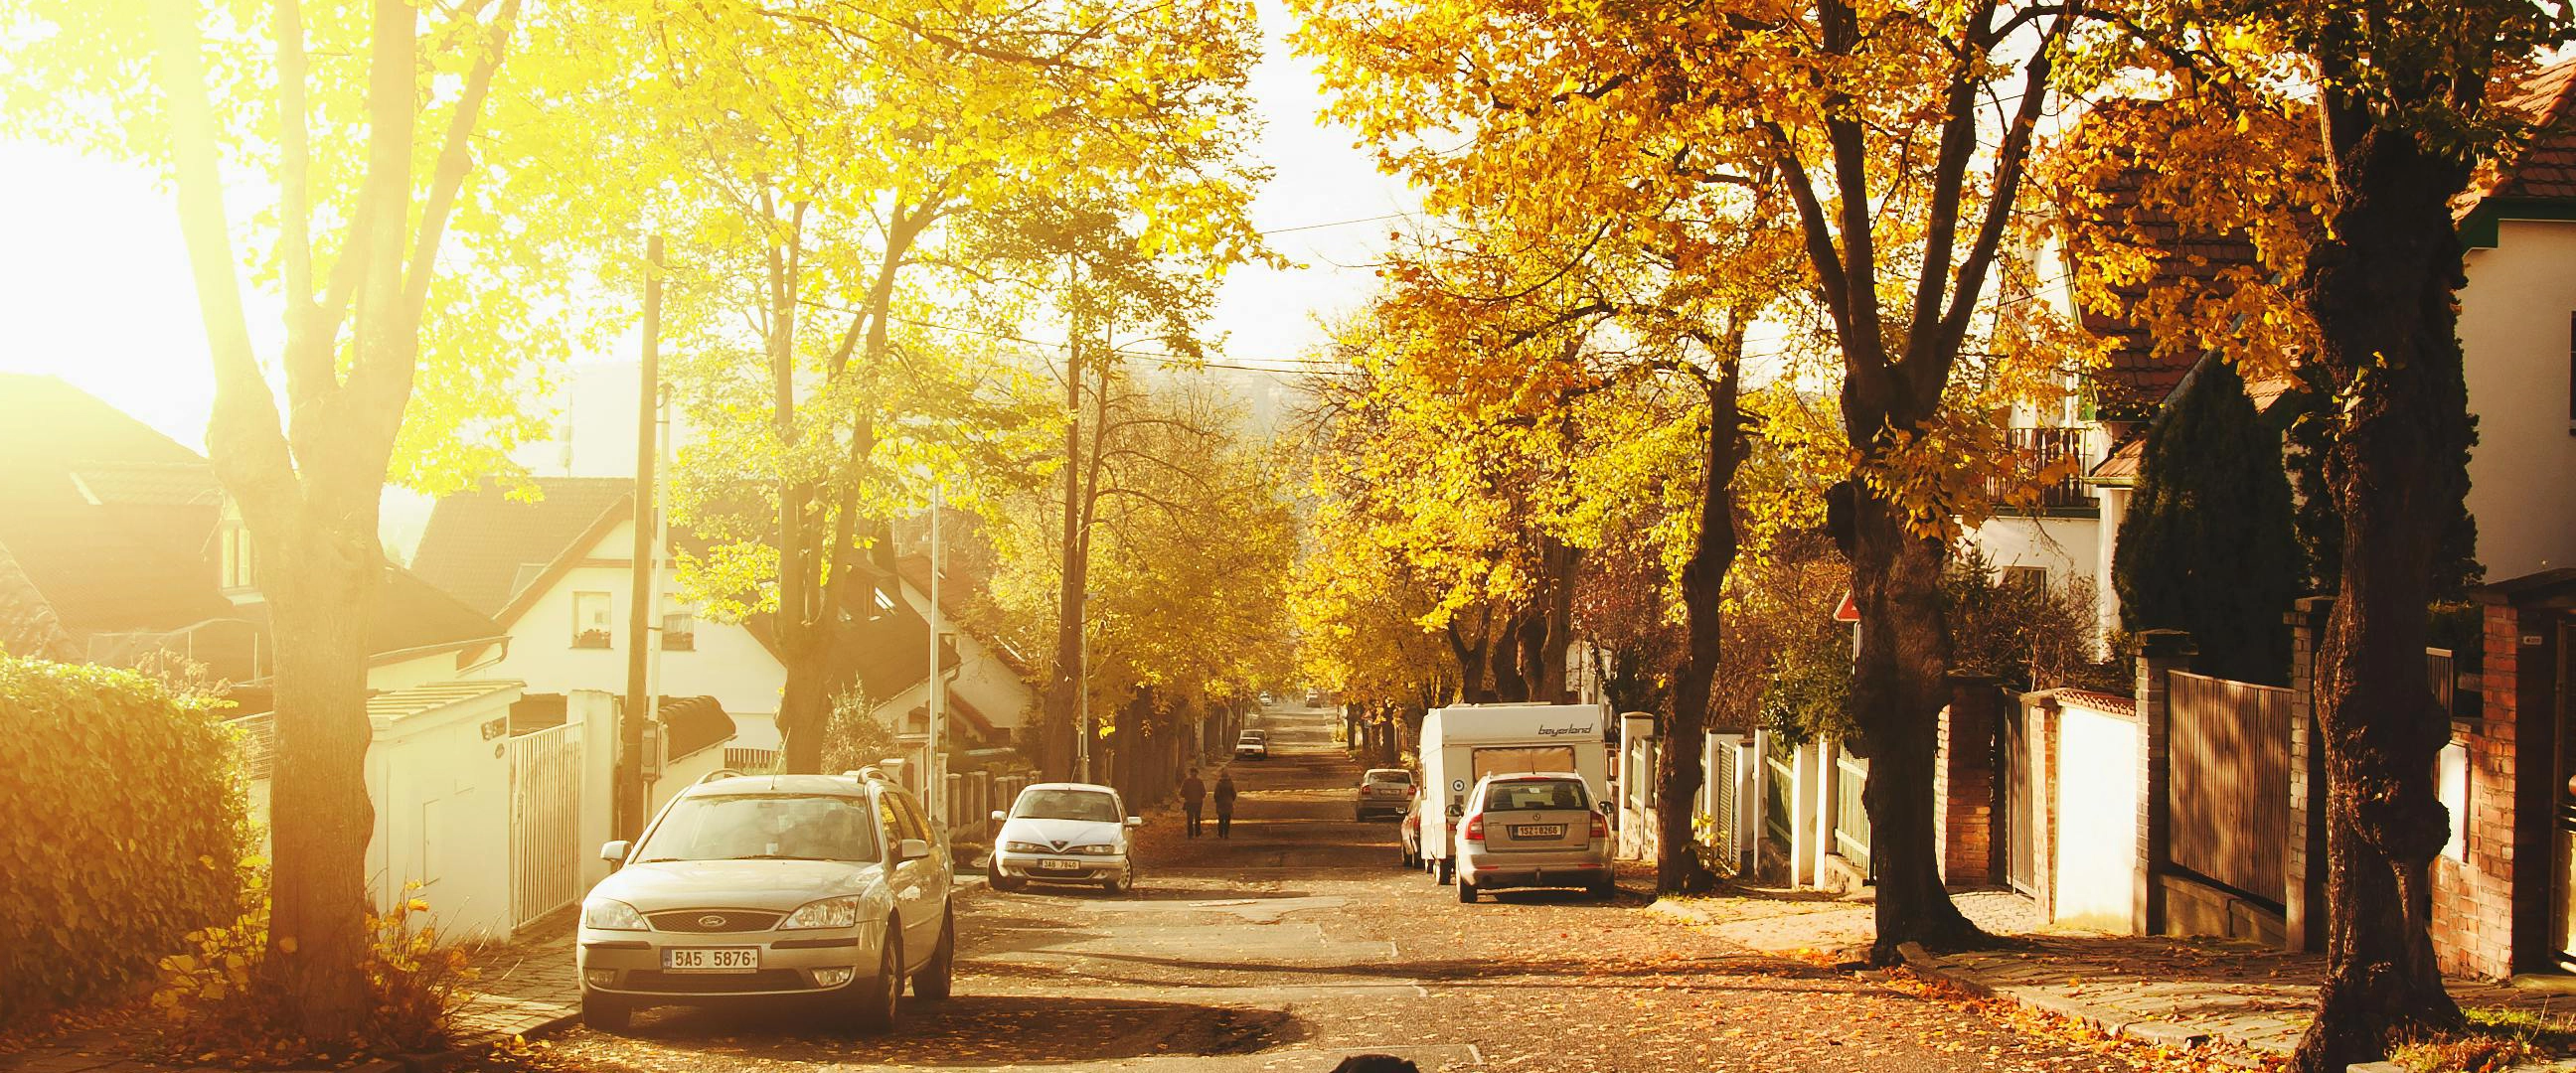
{"x": 2208, "y": 546}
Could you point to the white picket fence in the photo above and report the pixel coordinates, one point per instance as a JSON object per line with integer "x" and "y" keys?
{"x": 545, "y": 818}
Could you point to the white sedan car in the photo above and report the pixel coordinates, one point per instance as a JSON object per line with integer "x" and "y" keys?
{"x": 1065, "y": 832}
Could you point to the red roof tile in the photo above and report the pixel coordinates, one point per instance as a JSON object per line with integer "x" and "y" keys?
{"x": 2546, "y": 169}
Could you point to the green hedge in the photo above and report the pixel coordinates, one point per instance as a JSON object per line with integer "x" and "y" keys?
{"x": 121, "y": 828}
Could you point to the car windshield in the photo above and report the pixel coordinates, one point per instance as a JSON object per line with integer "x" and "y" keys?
{"x": 739, "y": 827}
{"x": 1067, "y": 805}
{"x": 1252, "y": 735}
{"x": 1519, "y": 796}
{"x": 1397, "y": 777}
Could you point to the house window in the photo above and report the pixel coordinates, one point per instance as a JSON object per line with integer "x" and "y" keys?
{"x": 679, "y": 626}
{"x": 240, "y": 559}
{"x": 590, "y": 620}
{"x": 2031, "y": 578}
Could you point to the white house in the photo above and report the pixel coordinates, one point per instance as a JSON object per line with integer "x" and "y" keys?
{"x": 557, "y": 574}
{"x": 2518, "y": 326}
{"x": 2517, "y": 332}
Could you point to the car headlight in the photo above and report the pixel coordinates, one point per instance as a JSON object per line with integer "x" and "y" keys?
{"x": 840, "y": 912}
{"x": 1025, "y": 847}
{"x": 609, "y": 914}
{"x": 1097, "y": 849}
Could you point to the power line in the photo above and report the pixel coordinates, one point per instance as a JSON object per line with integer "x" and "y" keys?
{"x": 1342, "y": 223}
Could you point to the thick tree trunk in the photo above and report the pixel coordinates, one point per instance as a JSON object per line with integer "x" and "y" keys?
{"x": 1678, "y": 771}
{"x": 1530, "y": 637}
{"x": 1552, "y": 675}
{"x": 1471, "y": 659}
{"x": 804, "y": 716}
{"x": 2382, "y": 295}
{"x": 318, "y": 892}
{"x": 1505, "y": 664}
{"x": 1898, "y": 688}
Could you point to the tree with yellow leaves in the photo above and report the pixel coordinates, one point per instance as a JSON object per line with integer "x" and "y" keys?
{"x": 353, "y": 127}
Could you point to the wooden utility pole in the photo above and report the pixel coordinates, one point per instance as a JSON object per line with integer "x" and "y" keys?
{"x": 639, "y": 616}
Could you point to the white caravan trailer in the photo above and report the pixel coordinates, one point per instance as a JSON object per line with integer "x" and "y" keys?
{"x": 1465, "y": 742}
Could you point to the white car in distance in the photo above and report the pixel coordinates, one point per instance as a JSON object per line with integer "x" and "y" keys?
{"x": 1065, "y": 832}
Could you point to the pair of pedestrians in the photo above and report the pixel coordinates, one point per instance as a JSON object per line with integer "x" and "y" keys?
{"x": 1193, "y": 792}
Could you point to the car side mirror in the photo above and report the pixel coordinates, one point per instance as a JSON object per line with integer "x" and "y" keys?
{"x": 615, "y": 852}
{"x": 911, "y": 849}
{"x": 1135, "y": 821}
{"x": 1001, "y": 815}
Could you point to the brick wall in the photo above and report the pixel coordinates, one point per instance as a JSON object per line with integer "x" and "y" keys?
{"x": 2473, "y": 910}
{"x": 1963, "y": 782}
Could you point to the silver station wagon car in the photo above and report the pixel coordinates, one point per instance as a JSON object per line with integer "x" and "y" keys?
{"x": 827, "y": 889}
{"x": 1533, "y": 830}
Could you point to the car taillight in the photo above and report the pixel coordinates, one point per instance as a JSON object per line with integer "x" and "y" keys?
{"x": 1475, "y": 831}
{"x": 1600, "y": 826}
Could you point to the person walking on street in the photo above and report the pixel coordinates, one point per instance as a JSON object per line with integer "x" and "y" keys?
{"x": 1225, "y": 804}
{"x": 1193, "y": 795}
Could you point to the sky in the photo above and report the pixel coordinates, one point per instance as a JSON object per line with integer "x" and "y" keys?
{"x": 94, "y": 283}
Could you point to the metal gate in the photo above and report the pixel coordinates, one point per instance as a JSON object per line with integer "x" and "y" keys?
{"x": 545, "y": 822}
{"x": 1721, "y": 800}
{"x": 2020, "y": 814}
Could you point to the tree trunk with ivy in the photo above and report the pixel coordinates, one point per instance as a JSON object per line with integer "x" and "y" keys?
{"x": 2383, "y": 295}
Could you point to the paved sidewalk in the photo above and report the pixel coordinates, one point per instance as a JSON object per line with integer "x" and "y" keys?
{"x": 2181, "y": 992}
{"x": 2172, "y": 991}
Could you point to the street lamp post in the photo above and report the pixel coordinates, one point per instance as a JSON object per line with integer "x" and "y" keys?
{"x": 1082, "y": 673}
{"x": 934, "y": 783}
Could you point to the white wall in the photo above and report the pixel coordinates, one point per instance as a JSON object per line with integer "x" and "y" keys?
{"x": 2514, "y": 329}
{"x": 2097, "y": 818}
{"x": 728, "y": 663}
{"x": 442, "y": 797}
{"x": 2066, "y": 547}
{"x": 983, "y": 679}
{"x": 596, "y": 713}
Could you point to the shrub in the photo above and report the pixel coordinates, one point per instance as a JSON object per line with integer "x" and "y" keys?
{"x": 217, "y": 1009}
{"x": 118, "y": 834}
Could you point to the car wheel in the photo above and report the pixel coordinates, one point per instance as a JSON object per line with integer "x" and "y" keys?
{"x": 1000, "y": 881}
{"x": 1605, "y": 889}
{"x": 605, "y": 1014}
{"x": 938, "y": 978}
{"x": 880, "y": 997}
{"x": 1445, "y": 871}
{"x": 1466, "y": 890}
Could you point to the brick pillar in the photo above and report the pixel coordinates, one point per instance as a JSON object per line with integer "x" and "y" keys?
{"x": 2040, "y": 738}
{"x": 1963, "y": 782}
{"x": 2303, "y": 864}
{"x": 2159, "y": 653}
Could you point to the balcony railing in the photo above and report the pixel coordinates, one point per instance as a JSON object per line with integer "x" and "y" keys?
{"x": 2048, "y": 467}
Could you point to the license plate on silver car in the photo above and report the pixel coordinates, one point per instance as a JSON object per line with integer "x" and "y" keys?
{"x": 1539, "y": 830}
{"x": 1059, "y": 866}
{"x": 712, "y": 959}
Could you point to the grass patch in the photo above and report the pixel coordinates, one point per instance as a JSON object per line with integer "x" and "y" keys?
{"x": 2496, "y": 1039}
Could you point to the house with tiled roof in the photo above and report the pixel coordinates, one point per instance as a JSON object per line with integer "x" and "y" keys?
{"x": 2518, "y": 329}
{"x": 553, "y": 564}
{"x": 2518, "y": 337}
{"x": 120, "y": 545}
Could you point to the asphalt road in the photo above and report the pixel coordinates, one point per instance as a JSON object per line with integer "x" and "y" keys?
{"x": 1300, "y": 941}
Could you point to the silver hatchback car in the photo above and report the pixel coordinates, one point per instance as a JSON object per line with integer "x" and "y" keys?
{"x": 830, "y": 889}
{"x": 1536, "y": 829}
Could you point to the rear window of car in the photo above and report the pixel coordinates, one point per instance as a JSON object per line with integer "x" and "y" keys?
{"x": 1398, "y": 777}
{"x": 1532, "y": 795}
